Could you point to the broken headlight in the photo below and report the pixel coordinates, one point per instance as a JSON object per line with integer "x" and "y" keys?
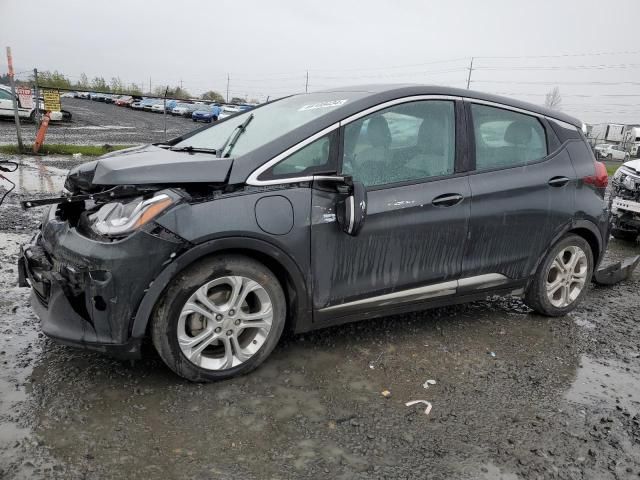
{"x": 123, "y": 217}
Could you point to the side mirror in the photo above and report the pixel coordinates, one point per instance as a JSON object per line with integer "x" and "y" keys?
{"x": 352, "y": 211}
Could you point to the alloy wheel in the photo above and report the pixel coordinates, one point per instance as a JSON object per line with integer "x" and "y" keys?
{"x": 225, "y": 322}
{"x": 567, "y": 276}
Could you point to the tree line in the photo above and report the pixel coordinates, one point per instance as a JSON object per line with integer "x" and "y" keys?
{"x": 56, "y": 79}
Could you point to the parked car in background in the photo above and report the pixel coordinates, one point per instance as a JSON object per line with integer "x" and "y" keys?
{"x": 69, "y": 95}
{"x": 157, "y": 108}
{"x": 614, "y": 152}
{"x": 600, "y": 147}
{"x": 137, "y": 105}
{"x": 124, "y": 101}
{"x": 6, "y": 105}
{"x": 316, "y": 210}
{"x": 208, "y": 114}
{"x": 184, "y": 109}
{"x": 149, "y": 103}
{"x": 228, "y": 110}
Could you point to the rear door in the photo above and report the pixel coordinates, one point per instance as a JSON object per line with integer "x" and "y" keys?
{"x": 412, "y": 242}
{"x": 522, "y": 188}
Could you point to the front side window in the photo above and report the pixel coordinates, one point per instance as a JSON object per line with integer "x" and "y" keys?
{"x": 408, "y": 142}
{"x": 504, "y": 138}
{"x": 310, "y": 160}
{"x": 5, "y": 95}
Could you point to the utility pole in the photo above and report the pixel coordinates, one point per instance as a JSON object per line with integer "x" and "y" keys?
{"x": 227, "y": 88}
{"x": 164, "y": 112}
{"x": 180, "y": 84}
{"x": 306, "y": 83}
{"x": 16, "y": 116}
{"x": 470, "y": 70}
{"x": 149, "y": 85}
{"x": 37, "y": 95}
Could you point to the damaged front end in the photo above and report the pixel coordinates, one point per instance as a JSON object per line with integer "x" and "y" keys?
{"x": 625, "y": 201}
{"x": 99, "y": 246}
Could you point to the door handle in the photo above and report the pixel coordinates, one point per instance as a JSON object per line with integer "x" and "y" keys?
{"x": 447, "y": 200}
{"x": 558, "y": 181}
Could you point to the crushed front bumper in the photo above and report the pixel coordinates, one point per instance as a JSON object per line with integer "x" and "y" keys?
{"x": 87, "y": 292}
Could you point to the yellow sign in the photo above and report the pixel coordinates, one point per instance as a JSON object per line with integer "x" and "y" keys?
{"x": 51, "y": 100}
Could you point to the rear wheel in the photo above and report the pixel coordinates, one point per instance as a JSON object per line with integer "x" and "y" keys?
{"x": 562, "y": 277}
{"x": 219, "y": 319}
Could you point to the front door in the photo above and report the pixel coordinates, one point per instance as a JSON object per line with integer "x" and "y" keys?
{"x": 412, "y": 242}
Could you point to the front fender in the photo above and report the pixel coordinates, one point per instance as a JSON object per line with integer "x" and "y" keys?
{"x": 296, "y": 278}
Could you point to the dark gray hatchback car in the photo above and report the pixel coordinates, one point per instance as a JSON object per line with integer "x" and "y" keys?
{"x": 315, "y": 210}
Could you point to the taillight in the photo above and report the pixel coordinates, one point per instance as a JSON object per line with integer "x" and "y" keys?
{"x": 601, "y": 177}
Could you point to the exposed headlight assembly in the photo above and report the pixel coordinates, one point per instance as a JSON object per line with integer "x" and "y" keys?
{"x": 116, "y": 219}
{"x": 629, "y": 183}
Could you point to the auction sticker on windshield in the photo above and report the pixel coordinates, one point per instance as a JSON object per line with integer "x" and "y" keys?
{"x": 328, "y": 104}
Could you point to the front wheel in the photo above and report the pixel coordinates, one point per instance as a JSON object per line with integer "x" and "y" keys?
{"x": 562, "y": 277}
{"x": 219, "y": 318}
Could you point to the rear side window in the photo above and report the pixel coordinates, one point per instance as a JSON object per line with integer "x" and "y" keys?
{"x": 505, "y": 138}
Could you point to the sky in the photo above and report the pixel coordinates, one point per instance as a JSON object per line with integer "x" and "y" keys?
{"x": 589, "y": 49}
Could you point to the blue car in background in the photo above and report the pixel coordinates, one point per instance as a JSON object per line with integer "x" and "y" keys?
{"x": 207, "y": 113}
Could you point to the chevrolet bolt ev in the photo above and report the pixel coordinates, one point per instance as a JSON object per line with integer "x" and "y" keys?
{"x": 315, "y": 210}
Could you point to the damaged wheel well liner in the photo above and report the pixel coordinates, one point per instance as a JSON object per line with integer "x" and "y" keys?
{"x": 592, "y": 240}
{"x": 286, "y": 270}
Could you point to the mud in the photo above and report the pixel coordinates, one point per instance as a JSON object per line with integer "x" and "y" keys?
{"x": 517, "y": 395}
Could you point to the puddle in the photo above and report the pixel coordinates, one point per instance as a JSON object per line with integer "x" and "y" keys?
{"x": 605, "y": 384}
{"x": 17, "y": 351}
{"x": 35, "y": 176}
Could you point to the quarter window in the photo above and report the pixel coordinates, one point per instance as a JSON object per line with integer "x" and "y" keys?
{"x": 506, "y": 139}
{"x": 312, "y": 159}
{"x": 5, "y": 95}
{"x": 407, "y": 142}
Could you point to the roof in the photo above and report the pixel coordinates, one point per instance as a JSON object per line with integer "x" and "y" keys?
{"x": 401, "y": 90}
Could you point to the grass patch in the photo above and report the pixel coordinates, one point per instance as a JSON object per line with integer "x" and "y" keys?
{"x": 65, "y": 149}
{"x": 611, "y": 169}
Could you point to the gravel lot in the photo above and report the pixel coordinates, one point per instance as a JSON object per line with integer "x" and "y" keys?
{"x": 96, "y": 123}
{"x": 516, "y": 395}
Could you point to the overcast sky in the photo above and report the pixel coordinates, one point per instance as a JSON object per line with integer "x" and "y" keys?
{"x": 588, "y": 48}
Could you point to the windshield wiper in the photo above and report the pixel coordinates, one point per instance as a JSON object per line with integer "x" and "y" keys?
{"x": 192, "y": 149}
{"x": 233, "y": 138}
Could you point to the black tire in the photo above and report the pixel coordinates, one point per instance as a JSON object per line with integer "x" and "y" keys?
{"x": 628, "y": 235}
{"x": 164, "y": 327}
{"x": 536, "y": 294}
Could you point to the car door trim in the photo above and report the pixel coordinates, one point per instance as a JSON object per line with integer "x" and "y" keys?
{"x": 477, "y": 282}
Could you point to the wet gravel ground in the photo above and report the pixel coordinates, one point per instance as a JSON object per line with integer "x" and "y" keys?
{"x": 517, "y": 395}
{"x": 96, "y": 123}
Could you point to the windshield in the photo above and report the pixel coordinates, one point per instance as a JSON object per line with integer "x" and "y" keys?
{"x": 270, "y": 121}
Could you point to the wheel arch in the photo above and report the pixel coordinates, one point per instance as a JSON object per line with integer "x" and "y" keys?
{"x": 291, "y": 277}
{"x": 583, "y": 228}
